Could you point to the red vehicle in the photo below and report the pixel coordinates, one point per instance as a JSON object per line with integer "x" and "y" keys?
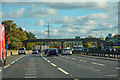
{"x": 2, "y": 45}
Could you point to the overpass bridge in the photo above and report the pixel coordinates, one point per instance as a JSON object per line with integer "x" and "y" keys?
{"x": 66, "y": 40}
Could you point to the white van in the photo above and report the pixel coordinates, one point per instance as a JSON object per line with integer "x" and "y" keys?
{"x": 21, "y": 51}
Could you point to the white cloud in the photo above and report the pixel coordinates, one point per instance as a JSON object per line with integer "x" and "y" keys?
{"x": 15, "y": 14}
{"x": 41, "y": 23}
{"x": 42, "y": 12}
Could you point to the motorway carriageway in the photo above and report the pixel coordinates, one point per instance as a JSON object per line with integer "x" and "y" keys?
{"x": 62, "y": 66}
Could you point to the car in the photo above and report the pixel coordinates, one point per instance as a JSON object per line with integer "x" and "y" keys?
{"x": 52, "y": 51}
{"x": 67, "y": 51}
{"x": 34, "y": 51}
{"x": 79, "y": 48}
{"x": 39, "y": 50}
{"x": 21, "y": 51}
{"x": 46, "y": 50}
{"x": 108, "y": 49}
{"x": 85, "y": 49}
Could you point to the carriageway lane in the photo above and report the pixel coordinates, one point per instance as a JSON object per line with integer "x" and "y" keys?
{"x": 32, "y": 66}
{"x": 83, "y": 68}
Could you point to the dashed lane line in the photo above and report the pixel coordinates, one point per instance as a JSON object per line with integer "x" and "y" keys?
{"x": 98, "y": 64}
{"x": 111, "y": 75}
{"x": 52, "y": 64}
{"x": 63, "y": 71}
{"x": 57, "y": 67}
{"x": 73, "y": 58}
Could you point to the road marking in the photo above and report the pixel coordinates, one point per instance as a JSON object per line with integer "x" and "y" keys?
{"x": 83, "y": 60}
{"x": 98, "y": 64}
{"x": 30, "y": 74}
{"x": 7, "y": 66}
{"x": 12, "y": 62}
{"x": 53, "y": 64}
{"x": 67, "y": 57}
{"x": 96, "y": 70}
{"x": 117, "y": 67}
{"x": 111, "y": 75}
{"x": 31, "y": 77}
{"x": 63, "y": 71}
{"x": 73, "y": 58}
{"x": 0, "y": 70}
{"x": 48, "y": 61}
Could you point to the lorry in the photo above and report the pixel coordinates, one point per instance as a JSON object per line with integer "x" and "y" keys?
{"x": 2, "y": 46}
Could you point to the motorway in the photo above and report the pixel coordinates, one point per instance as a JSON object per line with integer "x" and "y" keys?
{"x": 62, "y": 66}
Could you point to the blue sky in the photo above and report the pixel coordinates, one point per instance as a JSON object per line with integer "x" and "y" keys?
{"x": 66, "y": 19}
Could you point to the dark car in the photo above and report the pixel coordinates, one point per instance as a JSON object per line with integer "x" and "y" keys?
{"x": 84, "y": 49}
{"x": 39, "y": 50}
{"x": 46, "y": 51}
{"x": 52, "y": 51}
{"x": 34, "y": 51}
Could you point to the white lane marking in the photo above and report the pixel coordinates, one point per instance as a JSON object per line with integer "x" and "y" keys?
{"x": 83, "y": 60}
{"x": 30, "y": 74}
{"x": 7, "y": 66}
{"x": 48, "y": 61}
{"x": 0, "y": 70}
{"x": 63, "y": 56}
{"x": 73, "y": 58}
{"x": 117, "y": 67}
{"x": 53, "y": 64}
{"x": 112, "y": 75}
{"x": 12, "y": 62}
{"x": 96, "y": 70}
{"x": 63, "y": 71}
{"x": 98, "y": 64}
{"x": 67, "y": 57}
{"x": 31, "y": 77}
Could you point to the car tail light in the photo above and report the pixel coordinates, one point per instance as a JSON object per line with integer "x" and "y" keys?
{"x": 70, "y": 51}
{"x": 56, "y": 51}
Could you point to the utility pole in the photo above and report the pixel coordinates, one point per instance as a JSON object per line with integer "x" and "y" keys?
{"x": 48, "y": 31}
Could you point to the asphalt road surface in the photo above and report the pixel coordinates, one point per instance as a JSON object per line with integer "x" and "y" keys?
{"x": 62, "y": 66}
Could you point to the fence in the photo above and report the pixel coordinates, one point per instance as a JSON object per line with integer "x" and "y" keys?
{"x": 15, "y": 52}
{"x": 99, "y": 53}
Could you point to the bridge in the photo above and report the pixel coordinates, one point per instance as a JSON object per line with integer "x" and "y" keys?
{"x": 67, "y": 40}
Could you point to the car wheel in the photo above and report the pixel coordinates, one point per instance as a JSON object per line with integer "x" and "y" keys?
{"x": 57, "y": 55}
{"x": 18, "y": 54}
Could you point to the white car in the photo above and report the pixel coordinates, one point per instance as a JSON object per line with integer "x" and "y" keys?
{"x": 67, "y": 51}
{"x": 21, "y": 51}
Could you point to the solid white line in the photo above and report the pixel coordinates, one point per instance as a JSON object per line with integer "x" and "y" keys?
{"x": 63, "y": 71}
{"x": 7, "y": 66}
{"x": 52, "y": 64}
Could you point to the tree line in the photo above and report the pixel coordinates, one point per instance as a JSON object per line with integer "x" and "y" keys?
{"x": 15, "y": 35}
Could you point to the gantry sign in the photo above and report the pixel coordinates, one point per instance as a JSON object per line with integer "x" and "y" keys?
{"x": 66, "y": 40}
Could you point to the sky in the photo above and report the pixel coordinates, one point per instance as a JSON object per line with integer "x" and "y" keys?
{"x": 66, "y": 19}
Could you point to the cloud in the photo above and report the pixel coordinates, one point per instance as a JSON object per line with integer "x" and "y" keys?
{"x": 41, "y": 23}
{"x": 15, "y": 14}
{"x": 41, "y": 13}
